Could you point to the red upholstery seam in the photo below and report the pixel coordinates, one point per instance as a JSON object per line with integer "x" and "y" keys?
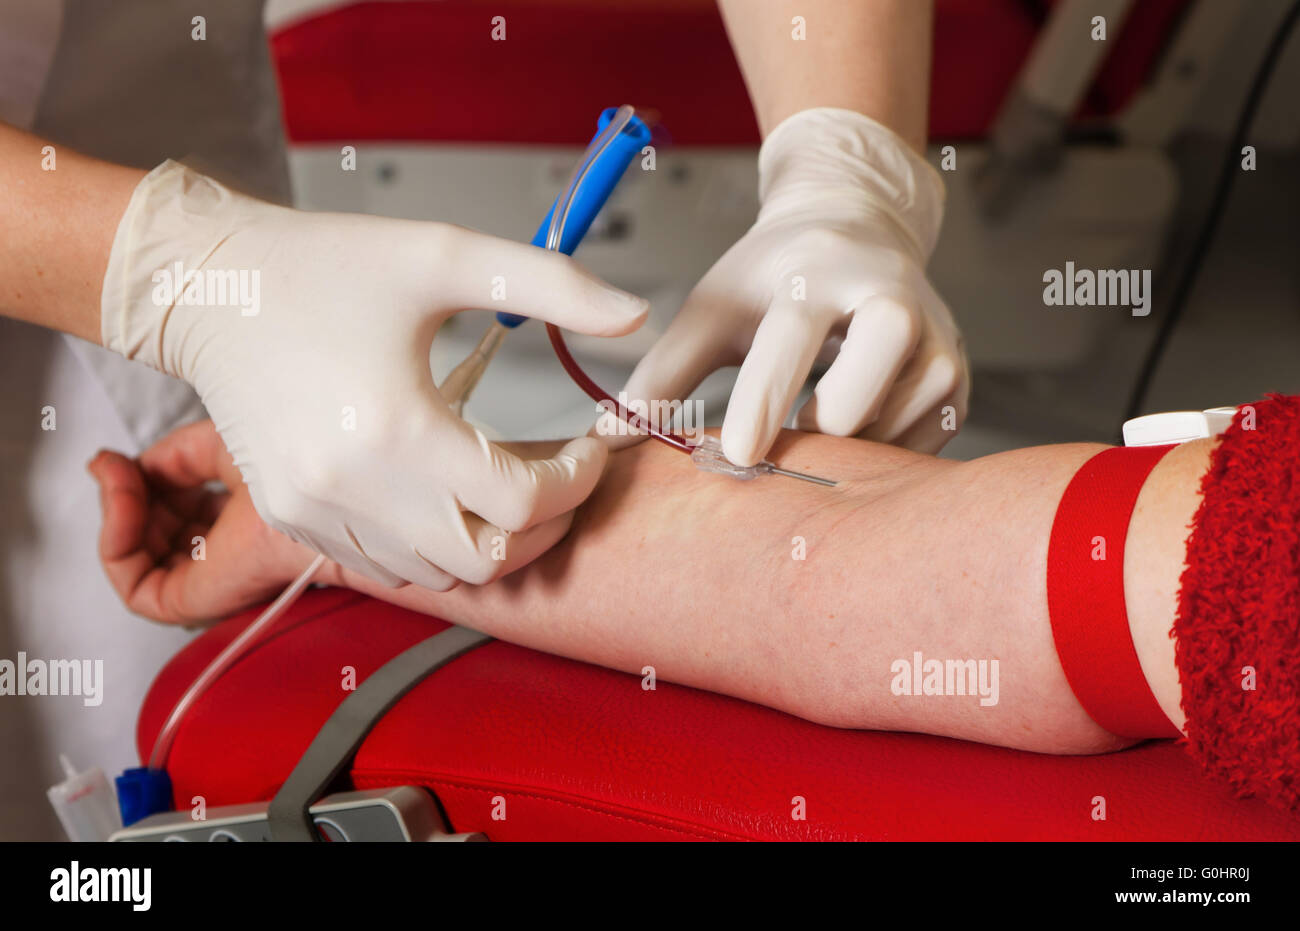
{"x": 363, "y": 779}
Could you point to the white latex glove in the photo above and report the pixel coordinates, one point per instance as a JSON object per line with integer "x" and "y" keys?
{"x": 835, "y": 261}
{"x": 324, "y": 396}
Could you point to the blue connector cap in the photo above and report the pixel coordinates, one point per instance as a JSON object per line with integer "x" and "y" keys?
{"x": 602, "y": 178}
{"x": 142, "y": 792}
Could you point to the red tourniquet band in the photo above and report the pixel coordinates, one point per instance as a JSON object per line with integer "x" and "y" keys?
{"x": 1085, "y": 594}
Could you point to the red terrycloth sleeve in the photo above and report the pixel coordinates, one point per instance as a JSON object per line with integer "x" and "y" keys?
{"x": 1237, "y": 650}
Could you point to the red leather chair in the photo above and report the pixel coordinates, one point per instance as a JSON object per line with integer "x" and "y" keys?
{"x": 579, "y": 752}
{"x": 430, "y": 71}
{"x": 583, "y": 753}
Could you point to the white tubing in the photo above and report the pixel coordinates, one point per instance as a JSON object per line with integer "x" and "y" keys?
{"x": 225, "y": 659}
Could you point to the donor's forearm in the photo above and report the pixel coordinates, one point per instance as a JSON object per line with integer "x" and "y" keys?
{"x": 825, "y": 602}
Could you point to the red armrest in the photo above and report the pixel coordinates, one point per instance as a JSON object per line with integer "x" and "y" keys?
{"x": 584, "y": 753}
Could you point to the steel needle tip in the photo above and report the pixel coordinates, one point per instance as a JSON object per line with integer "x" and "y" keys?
{"x": 800, "y": 475}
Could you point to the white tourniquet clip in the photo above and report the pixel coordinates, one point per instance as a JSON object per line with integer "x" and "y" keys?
{"x": 1177, "y": 426}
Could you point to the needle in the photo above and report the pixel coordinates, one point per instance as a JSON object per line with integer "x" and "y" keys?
{"x": 800, "y": 475}
{"x": 708, "y": 457}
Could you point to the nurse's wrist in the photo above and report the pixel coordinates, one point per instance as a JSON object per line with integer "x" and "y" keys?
{"x": 58, "y": 218}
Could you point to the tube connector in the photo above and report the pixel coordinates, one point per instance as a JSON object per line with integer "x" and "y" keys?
{"x": 708, "y": 457}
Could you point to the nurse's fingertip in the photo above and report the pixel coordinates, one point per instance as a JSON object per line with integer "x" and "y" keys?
{"x": 630, "y": 305}
{"x": 583, "y": 453}
{"x": 628, "y": 310}
{"x": 612, "y": 433}
{"x": 742, "y": 443}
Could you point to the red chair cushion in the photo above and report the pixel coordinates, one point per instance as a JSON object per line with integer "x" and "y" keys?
{"x": 583, "y": 753}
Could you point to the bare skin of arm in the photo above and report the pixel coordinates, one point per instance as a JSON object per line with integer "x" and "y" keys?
{"x": 56, "y": 229}
{"x": 872, "y": 56}
{"x": 695, "y": 575}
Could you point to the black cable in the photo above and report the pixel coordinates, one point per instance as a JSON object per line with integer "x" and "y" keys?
{"x": 1223, "y": 188}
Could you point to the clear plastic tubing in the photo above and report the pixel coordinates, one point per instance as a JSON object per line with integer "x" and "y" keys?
{"x": 554, "y": 237}
{"x": 162, "y": 745}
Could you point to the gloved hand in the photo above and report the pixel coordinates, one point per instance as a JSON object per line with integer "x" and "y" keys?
{"x": 307, "y": 336}
{"x": 835, "y": 261}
